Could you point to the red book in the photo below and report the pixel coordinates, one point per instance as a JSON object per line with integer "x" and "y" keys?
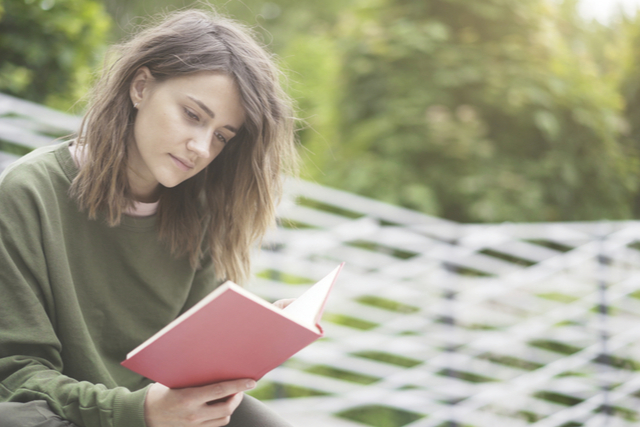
{"x": 231, "y": 334}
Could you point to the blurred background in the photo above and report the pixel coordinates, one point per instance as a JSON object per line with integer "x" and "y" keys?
{"x": 474, "y": 162}
{"x": 475, "y": 111}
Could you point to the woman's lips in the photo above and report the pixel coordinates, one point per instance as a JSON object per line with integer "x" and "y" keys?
{"x": 184, "y": 165}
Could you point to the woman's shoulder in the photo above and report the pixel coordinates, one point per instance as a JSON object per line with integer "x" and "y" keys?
{"x": 42, "y": 164}
{"x": 34, "y": 186}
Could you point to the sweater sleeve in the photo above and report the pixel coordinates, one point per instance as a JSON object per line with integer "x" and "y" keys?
{"x": 31, "y": 365}
{"x": 204, "y": 282}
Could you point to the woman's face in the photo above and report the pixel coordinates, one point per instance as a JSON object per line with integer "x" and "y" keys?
{"x": 182, "y": 124}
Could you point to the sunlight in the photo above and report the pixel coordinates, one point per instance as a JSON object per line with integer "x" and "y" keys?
{"x": 604, "y": 10}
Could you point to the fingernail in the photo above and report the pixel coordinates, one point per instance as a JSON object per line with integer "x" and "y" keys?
{"x": 251, "y": 384}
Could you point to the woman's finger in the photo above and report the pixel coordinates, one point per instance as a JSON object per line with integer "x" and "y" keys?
{"x": 222, "y": 409}
{"x": 283, "y": 302}
{"x": 221, "y": 390}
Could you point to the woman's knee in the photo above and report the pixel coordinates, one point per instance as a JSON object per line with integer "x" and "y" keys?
{"x": 30, "y": 414}
{"x": 253, "y": 413}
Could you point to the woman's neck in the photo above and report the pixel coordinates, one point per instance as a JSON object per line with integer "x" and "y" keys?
{"x": 146, "y": 205}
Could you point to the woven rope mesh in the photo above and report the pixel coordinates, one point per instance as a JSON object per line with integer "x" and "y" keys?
{"x": 435, "y": 323}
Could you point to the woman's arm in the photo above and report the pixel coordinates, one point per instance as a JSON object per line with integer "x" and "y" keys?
{"x": 32, "y": 357}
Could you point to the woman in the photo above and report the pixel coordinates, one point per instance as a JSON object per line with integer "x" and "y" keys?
{"x": 106, "y": 239}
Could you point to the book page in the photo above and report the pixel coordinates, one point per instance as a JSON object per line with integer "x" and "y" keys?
{"x": 307, "y": 308}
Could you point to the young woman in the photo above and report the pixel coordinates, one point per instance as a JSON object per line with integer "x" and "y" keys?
{"x": 105, "y": 239}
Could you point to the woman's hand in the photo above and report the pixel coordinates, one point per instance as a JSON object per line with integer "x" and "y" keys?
{"x": 211, "y": 404}
{"x": 283, "y": 302}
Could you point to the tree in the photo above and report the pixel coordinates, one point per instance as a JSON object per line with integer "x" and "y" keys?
{"x": 50, "y": 48}
{"x": 626, "y": 37}
{"x": 492, "y": 110}
{"x": 479, "y": 111}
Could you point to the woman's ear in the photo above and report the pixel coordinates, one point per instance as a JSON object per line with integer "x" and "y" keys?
{"x": 140, "y": 85}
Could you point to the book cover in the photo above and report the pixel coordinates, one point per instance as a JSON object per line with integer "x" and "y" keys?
{"x": 231, "y": 334}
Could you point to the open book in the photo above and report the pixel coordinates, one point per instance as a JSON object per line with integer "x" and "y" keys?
{"x": 231, "y": 334}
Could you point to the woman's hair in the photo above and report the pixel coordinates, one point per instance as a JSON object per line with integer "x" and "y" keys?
{"x": 231, "y": 203}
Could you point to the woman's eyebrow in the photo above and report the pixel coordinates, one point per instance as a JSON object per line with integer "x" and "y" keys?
{"x": 209, "y": 112}
{"x": 201, "y": 104}
{"x": 231, "y": 128}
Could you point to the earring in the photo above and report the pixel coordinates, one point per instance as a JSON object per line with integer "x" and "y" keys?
{"x": 135, "y": 105}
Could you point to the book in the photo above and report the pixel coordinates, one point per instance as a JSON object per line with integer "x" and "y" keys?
{"x": 231, "y": 334}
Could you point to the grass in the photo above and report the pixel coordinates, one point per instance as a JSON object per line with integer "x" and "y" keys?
{"x": 289, "y": 279}
{"x": 617, "y": 362}
{"x": 528, "y": 416}
{"x": 572, "y": 374}
{"x": 559, "y": 398}
{"x": 466, "y": 271}
{"x": 510, "y": 361}
{"x": 330, "y": 371}
{"x": 507, "y": 257}
{"x": 635, "y": 245}
{"x": 18, "y": 150}
{"x": 392, "y": 359}
{"x": 351, "y": 322}
{"x": 555, "y": 346}
{"x": 551, "y": 245}
{"x": 303, "y": 201}
{"x": 376, "y": 247}
{"x": 482, "y": 327}
{"x": 465, "y": 376}
{"x": 292, "y": 224}
{"x": 380, "y": 416}
{"x": 557, "y": 296}
{"x": 387, "y": 304}
{"x": 274, "y": 390}
{"x": 625, "y": 413}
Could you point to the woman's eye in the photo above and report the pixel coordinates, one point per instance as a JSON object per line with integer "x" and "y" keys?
{"x": 191, "y": 114}
{"x": 221, "y": 138}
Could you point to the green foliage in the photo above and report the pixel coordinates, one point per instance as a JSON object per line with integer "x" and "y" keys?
{"x": 476, "y": 111}
{"x": 511, "y": 361}
{"x": 351, "y": 322}
{"x": 289, "y": 279}
{"x": 50, "y": 48}
{"x": 387, "y": 304}
{"x": 271, "y": 390}
{"x": 559, "y": 398}
{"x": 465, "y": 376}
{"x": 390, "y": 358}
{"x": 480, "y": 111}
{"x": 626, "y": 38}
{"x": 555, "y": 346}
{"x": 330, "y": 371}
{"x": 380, "y": 416}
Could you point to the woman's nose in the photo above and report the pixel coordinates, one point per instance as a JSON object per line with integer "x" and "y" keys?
{"x": 200, "y": 144}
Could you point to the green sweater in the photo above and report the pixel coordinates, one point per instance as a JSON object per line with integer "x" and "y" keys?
{"x": 76, "y": 296}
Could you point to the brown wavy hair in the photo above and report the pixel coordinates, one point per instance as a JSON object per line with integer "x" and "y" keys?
{"x": 230, "y": 204}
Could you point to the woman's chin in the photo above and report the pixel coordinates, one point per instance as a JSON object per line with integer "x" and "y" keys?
{"x": 170, "y": 182}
